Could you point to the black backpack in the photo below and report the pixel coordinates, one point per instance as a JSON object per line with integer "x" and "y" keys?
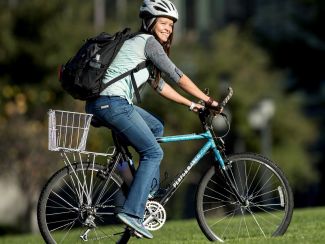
{"x": 82, "y": 75}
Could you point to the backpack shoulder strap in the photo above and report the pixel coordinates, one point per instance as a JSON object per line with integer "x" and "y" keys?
{"x": 131, "y": 72}
{"x": 138, "y": 33}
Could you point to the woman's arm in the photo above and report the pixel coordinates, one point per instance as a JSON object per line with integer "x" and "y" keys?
{"x": 188, "y": 86}
{"x": 170, "y": 93}
{"x": 155, "y": 52}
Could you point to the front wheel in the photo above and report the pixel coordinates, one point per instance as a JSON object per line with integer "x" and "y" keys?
{"x": 78, "y": 204}
{"x": 260, "y": 203}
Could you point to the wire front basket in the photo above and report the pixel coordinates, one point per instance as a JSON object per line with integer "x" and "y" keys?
{"x": 68, "y": 130}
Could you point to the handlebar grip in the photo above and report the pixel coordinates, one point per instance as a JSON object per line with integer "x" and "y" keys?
{"x": 227, "y": 98}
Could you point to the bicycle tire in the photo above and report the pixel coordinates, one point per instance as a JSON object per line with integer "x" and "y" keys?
{"x": 68, "y": 205}
{"x": 266, "y": 211}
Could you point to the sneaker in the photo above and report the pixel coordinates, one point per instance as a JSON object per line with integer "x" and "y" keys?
{"x": 135, "y": 224}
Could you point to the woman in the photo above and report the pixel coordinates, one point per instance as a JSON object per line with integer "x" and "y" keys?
{"x": 138, "y": 127}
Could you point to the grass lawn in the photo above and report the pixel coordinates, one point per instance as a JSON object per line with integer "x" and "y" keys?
{"x": 307, "y": 226}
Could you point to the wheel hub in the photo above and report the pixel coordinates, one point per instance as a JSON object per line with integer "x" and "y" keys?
{"x": 87, "y": 216}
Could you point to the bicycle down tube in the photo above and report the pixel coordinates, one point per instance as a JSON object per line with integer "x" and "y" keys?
{"x": 210, "y": 144}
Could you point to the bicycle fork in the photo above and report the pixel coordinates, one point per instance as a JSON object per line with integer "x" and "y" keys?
{"x": 233, "y": 188}
{"x": 224, "y": 166}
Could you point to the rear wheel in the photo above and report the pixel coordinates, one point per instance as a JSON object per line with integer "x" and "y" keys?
{"x": 266, "y": 204}
{"x": 78, "y": 204}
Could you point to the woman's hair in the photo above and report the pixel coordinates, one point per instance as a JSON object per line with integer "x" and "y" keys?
{"x": 166, "y": 45}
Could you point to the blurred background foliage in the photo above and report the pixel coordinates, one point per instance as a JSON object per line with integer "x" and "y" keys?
{"x": 36, "y": 36}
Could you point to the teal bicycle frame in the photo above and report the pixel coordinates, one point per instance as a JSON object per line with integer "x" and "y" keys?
{"x": 209, "y": 145}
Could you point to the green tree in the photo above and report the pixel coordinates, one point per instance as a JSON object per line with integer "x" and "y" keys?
{"x": 253, "y": 78}
{"x": 36, "y": 36}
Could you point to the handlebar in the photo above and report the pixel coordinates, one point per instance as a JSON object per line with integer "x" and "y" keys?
{"x": 207, "y": 114}
{"x": 227, "y": 98}
{"x": 223, "y": 103}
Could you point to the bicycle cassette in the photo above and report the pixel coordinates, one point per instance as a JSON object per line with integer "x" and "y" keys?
{"x": 154, "y": 216}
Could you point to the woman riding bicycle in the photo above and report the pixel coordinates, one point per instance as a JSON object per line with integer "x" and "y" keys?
{"x": 133, "y": 124}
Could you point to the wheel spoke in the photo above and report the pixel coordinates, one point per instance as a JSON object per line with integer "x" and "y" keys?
{"x": 253, "y": 215}
{"x": 218, "y": 193}
{"x": 70, "y": 222}
{"x": 64, "y": 200}
{"x": 264, "y": 192}
{"x": 67, "y": 211}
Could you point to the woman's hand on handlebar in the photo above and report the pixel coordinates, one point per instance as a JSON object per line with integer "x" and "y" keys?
{"x": 195, "y": 107}
{"x": 211, "y": 104}
{"x": 214, "y": 106}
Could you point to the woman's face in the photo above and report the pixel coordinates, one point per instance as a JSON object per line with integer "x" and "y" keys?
{"x": 163, "y": 28}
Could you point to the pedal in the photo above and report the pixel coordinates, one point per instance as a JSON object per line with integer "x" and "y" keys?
{"x": 135, "y": 233}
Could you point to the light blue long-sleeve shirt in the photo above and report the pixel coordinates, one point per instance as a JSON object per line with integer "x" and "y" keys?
{"x": 134, "y": 51}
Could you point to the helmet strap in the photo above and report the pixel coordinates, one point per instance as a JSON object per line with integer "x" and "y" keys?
{"x": 147, "y": 23}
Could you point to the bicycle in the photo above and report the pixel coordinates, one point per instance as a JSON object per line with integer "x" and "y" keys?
{"x": 241, "y": 195}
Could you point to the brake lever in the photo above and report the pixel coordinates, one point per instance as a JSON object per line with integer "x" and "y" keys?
{"x": 218, "y": 109}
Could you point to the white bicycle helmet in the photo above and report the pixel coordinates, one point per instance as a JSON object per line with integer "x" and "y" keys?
{"x": 158, "y": 8}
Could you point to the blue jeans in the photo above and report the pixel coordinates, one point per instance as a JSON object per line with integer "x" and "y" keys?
{"x": 140, "y": 129}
